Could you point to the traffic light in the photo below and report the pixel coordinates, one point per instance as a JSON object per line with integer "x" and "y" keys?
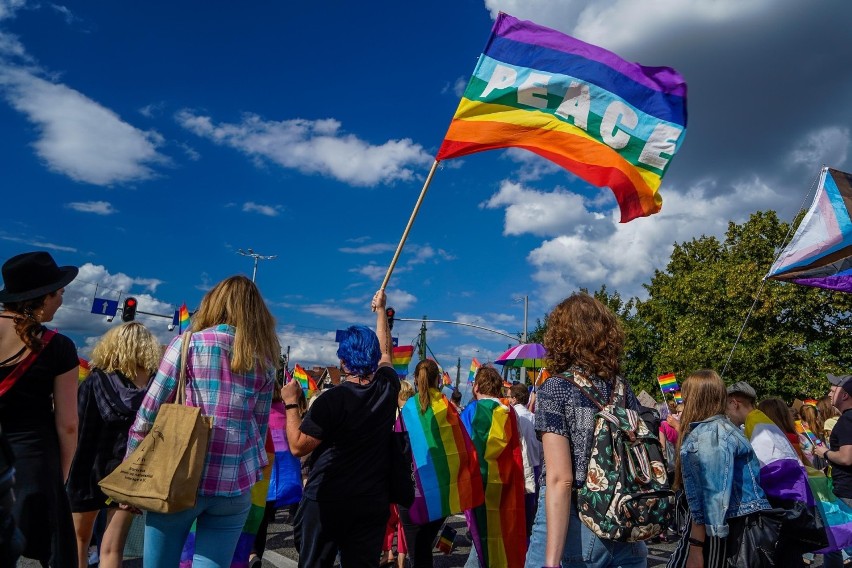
{"x": 128, "y": 312}
{"x": 390, "y": 313}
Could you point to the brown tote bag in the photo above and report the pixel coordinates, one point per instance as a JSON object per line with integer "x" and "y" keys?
{"x": 163, "y": 472}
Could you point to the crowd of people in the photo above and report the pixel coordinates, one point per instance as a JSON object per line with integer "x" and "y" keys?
{"x": 742, "y": 469}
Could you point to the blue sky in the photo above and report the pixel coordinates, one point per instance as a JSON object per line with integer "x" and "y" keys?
{"x": 147, "y": 143}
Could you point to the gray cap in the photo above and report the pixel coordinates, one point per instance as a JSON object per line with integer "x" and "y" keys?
{"x": 744, "y": 388}
{"x": 842, "y": 381}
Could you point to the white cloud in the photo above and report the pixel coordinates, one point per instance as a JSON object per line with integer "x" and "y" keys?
{"x": 96, "y": 207}
{"x": 619, "y": 24}
{"x": 309, "y": 348}
{"x": 268, "y": 210}
{"x": 457, "y": 87}
{"x": 313, "y": 147}
{"x": 539, "y": 213}
{"x": 75, "y": 317}
{"x": 372, "y": 271}
{"x": 829, "y": 146}
{"x": 628, "y": 256}
{"x": 37, "y": 243}
{"x": 374, "y": 248}
{"x": 78, "y": 137}
{"x": 9, "y": 7}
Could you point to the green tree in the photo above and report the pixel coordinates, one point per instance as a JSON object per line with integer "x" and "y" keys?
{"x": 699, "y": 303}
{"x": 697, "y": 306}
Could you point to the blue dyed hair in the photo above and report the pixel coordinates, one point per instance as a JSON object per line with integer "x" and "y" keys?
{"x": 359, "y": 350}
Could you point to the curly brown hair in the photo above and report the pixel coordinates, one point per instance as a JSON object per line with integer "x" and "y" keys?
{"x": 583, "y": 332}
{"x": 27, "y": 325}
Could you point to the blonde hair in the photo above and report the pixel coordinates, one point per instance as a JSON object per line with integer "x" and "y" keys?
{"x": 236, "y": 301}
{"x": 426, "y": 377}
{"x": 125, "y": 348}
{"x": 704, "y": 395}
{"x": 406, "y": 390}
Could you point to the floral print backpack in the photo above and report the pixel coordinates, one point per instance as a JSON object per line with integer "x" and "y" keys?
{"x": 626, "y": 496}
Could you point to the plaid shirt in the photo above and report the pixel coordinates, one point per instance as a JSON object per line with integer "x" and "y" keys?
{"x": 238, "y": 403}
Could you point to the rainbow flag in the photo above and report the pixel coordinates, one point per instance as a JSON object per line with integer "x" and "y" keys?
{"x": 309, "y": 385}
{"x": 474, "y": 367}
{"x": 810, "y": 402}
{"x": 258, "y": 506}
{"x": 498, "y": 527}
{"x": 83, "y": 369}
{"x": 401, "y": 358}
{"x": 183, "y": 319}
{"x": 836, "y": 515}
{"x": 446, "y": 470}
{"x": 803, "y": 428}
{"x": 668, "y": 383}
{"x": 446, "y": 378}
{"x": 677, "y": 397}
{"x": 610, "y": 122}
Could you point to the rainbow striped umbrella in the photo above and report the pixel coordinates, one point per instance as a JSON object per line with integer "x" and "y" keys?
{"x": 530, "y": 355}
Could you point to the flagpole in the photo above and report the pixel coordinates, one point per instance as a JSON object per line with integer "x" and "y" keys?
{"x": 410, "y": 223}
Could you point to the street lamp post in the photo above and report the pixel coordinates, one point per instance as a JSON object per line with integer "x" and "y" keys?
{"x": 256, "y": 257}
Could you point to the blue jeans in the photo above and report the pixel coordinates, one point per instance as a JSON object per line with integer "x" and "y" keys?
{"x": 582, "y": 547}
{"x": 220, "y": 523}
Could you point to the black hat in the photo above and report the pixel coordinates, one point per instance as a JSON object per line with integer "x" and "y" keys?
{"x": 33, "y": 274}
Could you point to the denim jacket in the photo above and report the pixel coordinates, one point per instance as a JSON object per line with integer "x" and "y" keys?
{"x": 721, "y": 474}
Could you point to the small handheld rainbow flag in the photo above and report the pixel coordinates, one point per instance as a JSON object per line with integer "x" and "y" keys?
{"x": 668, "y": 383}
{"x": 803, "y": 428}
{"x": 677, "y": 398}
{"x": 183, "y": 319}
{"x": 474, "y": 367}
{"x": 447, "y": 380}
{"x": 305, "y": 380}
{"x": 401, "y": 358}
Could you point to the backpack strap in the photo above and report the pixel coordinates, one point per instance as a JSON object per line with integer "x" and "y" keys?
{"x": 616, "y": 396}
{"x": 591, "y": 392}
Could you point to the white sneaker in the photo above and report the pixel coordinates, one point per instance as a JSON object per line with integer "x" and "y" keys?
{"x": 93, "y": 555}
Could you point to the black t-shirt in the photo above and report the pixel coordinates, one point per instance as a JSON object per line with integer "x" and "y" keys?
{"x": 841, "y": 435}
{"x": 28, "y": 405}
{"x": 354, "y": 423}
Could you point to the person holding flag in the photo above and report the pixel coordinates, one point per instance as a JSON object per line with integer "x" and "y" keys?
{"x": 345, "y": 503}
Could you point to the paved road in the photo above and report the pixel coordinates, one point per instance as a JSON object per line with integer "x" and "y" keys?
{"x": 281, "y": 554}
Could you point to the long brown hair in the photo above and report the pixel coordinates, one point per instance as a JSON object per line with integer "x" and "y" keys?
{"x": 425, "y": 378}
{"x": 777, "y": 411}
{"x": 814, "y": 419}
{"x": 704, "y": 395}
{"x": 582, "y": 331}
{"x": 27, "y": 324}
{"x": 236, "y": 301}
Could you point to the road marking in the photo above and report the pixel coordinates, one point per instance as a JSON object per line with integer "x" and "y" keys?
{"x": 279, "y": 560}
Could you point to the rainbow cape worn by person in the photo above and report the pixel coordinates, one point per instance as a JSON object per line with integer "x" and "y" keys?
{"x": 610, "y": 122}
{"x": 498, "y": 527}
{"x": 836, "y": 515}
{"x": 258, "y": 507}
{"x": 446, "y": 471}
{"x": 401, "y": 358}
